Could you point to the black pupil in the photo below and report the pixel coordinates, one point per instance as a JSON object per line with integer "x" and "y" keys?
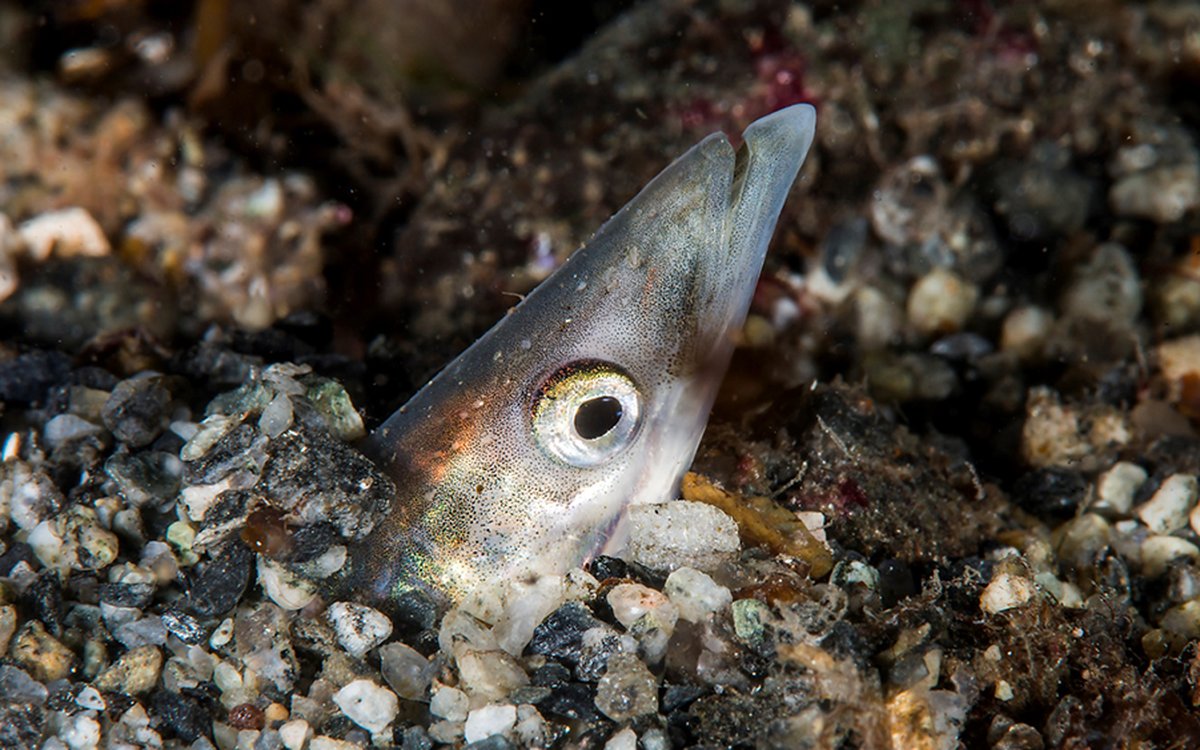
{"x": 597, "y": 416}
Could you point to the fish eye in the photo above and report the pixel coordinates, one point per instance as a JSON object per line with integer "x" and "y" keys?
{"x": 586, "y": 413}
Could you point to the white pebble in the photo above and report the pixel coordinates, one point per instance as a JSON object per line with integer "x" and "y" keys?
{"x": 406, "y": 670}
{"x": 1116, "y": 487}
{"x": 1167, "y": 509}
{"x": 368, "y": 705}
{"x": 632, "y": 601}
{"x": 448, "y": 703}
{"x": 696, "y": 594}
{"x": 82, "y": 732}
{"x": 358, "y": 628}
{"x": 665, "y": 536}
{"x": 67, "y": 232}
{"x": 490, "y": 720}
{"x": 1006, "y": 591}
{"x": 1183, "y": 620}
{"x": 295, "y": 734}
{"x": 626, "y": 739}
{"x": 1158, "y": 551}
{"x": 1025, "y": 330}
{"x": 531, "y": 729}
{"x": 526, "y": 604}
{"x": 283, "y": 587}
{"x": 940, "y": 302}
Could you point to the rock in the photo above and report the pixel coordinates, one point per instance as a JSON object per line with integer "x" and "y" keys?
{"x": 665, "y": 536}
{"x": 283, "y": 587}
{"x": 184, "y": 715}
{"x": 627, "y": 689}
{"x": 560, "y": 636}
{"x": 368, "y": 705}
{"x": 16, "y": 686}
{"x": 1116, "y": 488}
{"x": 490, "y": 720}
{"x": 68, "y": 232}
{"x": 1106, "y": 288}
{"x": 406, "y": 671}
{"x": 25, "y": 378}
{"x": 448, "y": 703}
{"x": 631, "y": 602}
{"x": 940, "y": 302}
{"x": 489, "y": 676}
{"x": 1167, "y": 509}
{"x": 595, "y": 649}
{"x": 295, "y": 734}
{"x": 1006, "y": 591}
{"x": 40, "y": 654}
{"x": 218, "y": 584}
{"x": 135, "y": 673}
{"x": 359, "y": 628}
{"x": 138, "y": 410}
{"x": 626, "y": 739}
{"x": 1025, "y": 330}
{"x": 1158, "y": 551}
{"x": 695, "y": 594}
{"x": 525, "y": 604}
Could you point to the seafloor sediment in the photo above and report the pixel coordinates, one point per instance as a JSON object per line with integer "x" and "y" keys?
{"x": 949, "y": 494}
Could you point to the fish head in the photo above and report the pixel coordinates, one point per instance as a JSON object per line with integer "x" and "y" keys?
{"x": 592, "y": 393}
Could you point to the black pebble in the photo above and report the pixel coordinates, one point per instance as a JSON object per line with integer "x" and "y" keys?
{"x": 183, "y": 626}
{"x": 127, "y": 594}
{"x": 1051, "y": 493}
{"x": 895, "y": 582}
{"x": 560, "y": 635}
{"x": 221, "y": 581}
{"x": 137, "y": 411}
{"x": 571, "y": 701}
{"x": 25, "y": 379}
{"x": 184, "y": 715}
{"x": 45, "y": 601}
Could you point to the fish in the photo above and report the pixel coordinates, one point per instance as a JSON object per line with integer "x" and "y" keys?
{"x": 519, "y": 458}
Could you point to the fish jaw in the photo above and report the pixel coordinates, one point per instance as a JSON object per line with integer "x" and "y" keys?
{"x": 500, "y": 472}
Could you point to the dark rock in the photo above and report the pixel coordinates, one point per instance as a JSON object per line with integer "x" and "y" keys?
{"x": 26, "y": 378}
{"x": 571, "y": 701}
{"x": 184, "y": 715}
{"x": 138, "y": 410}
{"x": 560, "y": 635}
{"x": 127, "y": 594}
{"x": 895, "y": 582}
{"x": 412, "y": 738}
{"x": 593, "y": 658}
{"x": 21, "y": 725}
{"x": 19, "y": 552}
{"x": 1051, "y": 493}
{"x": 551, "y": 674}
{"x": 144, "y": 477}
{"x": 311, "y": 541}
{"x": 532, "y": 694}
{"x": 495, "y": 742}
{"x": 677, "y": 697}
{"x": 232, "y": 451}
{"x": 45, "y": 601}
{"x": 603, "y": 568}
{"x": 220, "y": 582}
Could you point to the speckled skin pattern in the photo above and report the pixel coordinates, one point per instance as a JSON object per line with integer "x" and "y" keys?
{"x": 659, "y": 292}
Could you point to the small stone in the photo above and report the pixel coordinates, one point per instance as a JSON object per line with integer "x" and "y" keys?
{"x": 283, "y": 587}
{"x": 334, "y": 404}
{"x": 941, "y": 302}
{"x": 1116, "y": 488}
{"x": 490, "y": 720}
{"x": 489, "y": 676}
{"x": 1158, "y": 551}
{"x": 16, "y": 686}
{"x": 40, "y": 654}
{"x": 626, "y": 739}
{"x": 524, "y": 606}
{"x": 749, "y": 621}
{"x": 1183, "y": 620}
{"x": 8, "y": 626}
{"x": 67, "y": 428}
{"x": 276, "y": 416}
{"x": 1167, "y": 509}
{"x": 445, "y": 732}
{"x": 1006, "y": 591}
{"x": 627, "y": 689}
{"x": 80, "y": 732}
{"x": 632, "y": 601}
{"x": 406, "y": 671}
{"x": 370, "y": 706}
{"x": 531, "y": 729}
{"x": 695, "y": 594}
{"x": 560, "y": 636}
{"x": 68, "y": 232}
{"x": 136, "y": 672}
{"x": 359, "y": 628}
{"x": 448, "y": 703}
{"x": 138, "y": 410}
{"x": 218, "y": 584}
{"x": 1162, "y": 194}
{"x": 665, "y": 536}
{"x": 596, "y": 647}
{"x": 416, "y": 738}
{"x": 184, "y": 715}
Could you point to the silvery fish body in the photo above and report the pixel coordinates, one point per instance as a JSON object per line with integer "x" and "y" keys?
{"x": 518, "y": 458}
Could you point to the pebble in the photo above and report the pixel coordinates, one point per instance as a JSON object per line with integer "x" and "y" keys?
{"x": 940, "y": 302}
{"x": 1158, "y": 551}
{"x": 16, "y": 686}
{"x": 524, "y": 606}
{"x": 560, "y": 636}
{"x": 1116, "y": 488}
{"x": 489, "y": 676}
{"x": 1162, "y": 194}
{"x": 359, "y": 628}
{"x": 138, "y": 410}
{"x": 490, "y": 720}
{"x": 627, "y": 690}
{"x": 1025, "y": 330}
{"x": 1006, "y": 591}
{"x": 596, "y": 647}
{"x": 631, "y": 602}
{"x": 448, "y": 703}
{"x": 1107, "y": 287}
{"x": 67, "y": 428}
{"x": 368, "y": 705}
{"x": 218, "y": 584}
{"x": 1183, "y": 620}
{"x": 406, "y": 671}
{"x": 626, "y": 739}
{"x": 1167, "y": 509}
{"x": 695, "y": 594}
{"x": 68, "y": 232}
{"x": 531, "y": 729}
{"x": 41, "y": 654}
{"x": 665, "y": 536}
{"x": 136, "y": 672}
{"x": 283, "y": 587}
{"x": 80, "y": 732}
